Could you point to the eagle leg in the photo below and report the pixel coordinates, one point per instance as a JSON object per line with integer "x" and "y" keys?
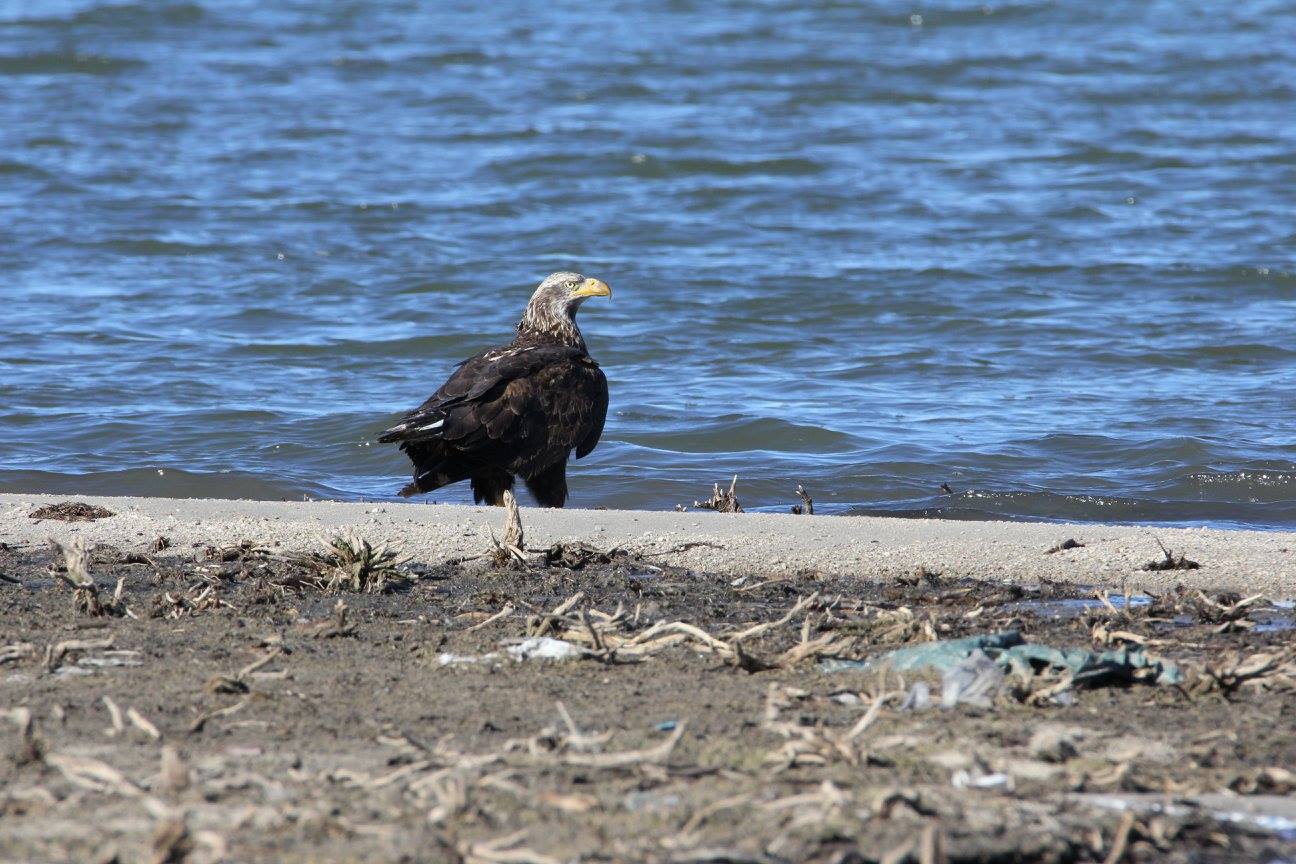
{"x": 489, "y": 486}
{"x": 550, "y": 486}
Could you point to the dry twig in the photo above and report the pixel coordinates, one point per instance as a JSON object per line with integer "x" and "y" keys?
{"x": 76, "y": 573}
{"x": 512, "y": 547}
{"x": 722, "y": 501}
{"x": 806, "y": 507}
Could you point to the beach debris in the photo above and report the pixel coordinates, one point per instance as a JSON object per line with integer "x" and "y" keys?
{"x": 508, "y": 610}
{"x": 917, "y": 699}
{"x": 501, "y": 850}
{"x": 238, "y": 682}
{"x": 1055, "y": 743}
{"x": 1264, "y": 670}
{"x": 718, "y": 800}
{"x": 1075, "y": 666}
{"x": 71, "y": 511}
{"x": 975, "y": 680}
{"x": 577, "y": 555}
{"x": 76, "y": 574}
{"x": 545, "y": 648}
{"x": 1127, "y": 607}
{"x": 1094, "y": 669}
{"x": 1168, "y": 561}
{"x": 893, "y": 626}
{"x": 30, "y": 748}
{"x": 92, "y": 774}
{"x": 977, "y": 779}
{"x": 512, "y": 547}
{"x": 815, "y": 745}
{"x": 334, "y": 627}
{"x": 1227, "y": 611}
{"x": 352, "y": 563}
{"x": 1069, "y": 543}
{"x": 450, "y": 659}
{"x": 15, "y": 651}
{"x": 56, "y": 653}
{"x": 115, "y": 713}
{"x": 936, "y": 656}
{"x": 236, "y": 552}
{"x": 1269, "y": 815}
{"x": 173, "y": 773}
{"x": 806, "y": 507}
{"x": 1265, "y": 781}
{"x": 200, "y": 722}
{"x": 142, "y": 723}
{"x": 722, "y": 500}
{"x": 171, "y": 842}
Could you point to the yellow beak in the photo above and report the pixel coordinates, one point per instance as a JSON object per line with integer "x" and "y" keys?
{"x": 593, "y": 288}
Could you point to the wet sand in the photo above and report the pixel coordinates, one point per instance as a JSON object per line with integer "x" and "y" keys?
{"x": 229, "y": 697}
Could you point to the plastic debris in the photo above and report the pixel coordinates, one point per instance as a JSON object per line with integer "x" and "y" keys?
{"x": 964, "y": 779}
{"x": 935, "y": 656}
{"x": 1091, "y": 668}
{"x": 1009, "y": 651}
{"x": 1055, "y": 743}
{"x": 545, "y": 648}
{"x": 918, "y": 698}
{"x": 650, "y": 801}
{"x": 447, "y": 659}
{"x": 974, "y": 681}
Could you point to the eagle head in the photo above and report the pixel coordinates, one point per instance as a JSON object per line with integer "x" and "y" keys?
{"x": 552, "y": 310}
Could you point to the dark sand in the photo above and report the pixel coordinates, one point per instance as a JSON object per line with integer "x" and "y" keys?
{"x": 273, "y": 727}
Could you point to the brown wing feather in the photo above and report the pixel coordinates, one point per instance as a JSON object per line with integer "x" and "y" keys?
{"x": 519, "y": 409}
{"x": 473, "y": 382}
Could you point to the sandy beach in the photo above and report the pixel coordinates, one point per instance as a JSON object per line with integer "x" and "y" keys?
{"x": 863, "y": 547}
{"x": 209, "y": 683}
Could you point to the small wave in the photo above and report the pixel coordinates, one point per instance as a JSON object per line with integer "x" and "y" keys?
{"x": 643, "y": 165}
{"x": 733, "y": 434}
{"x": 165, "y": 482}
{"x": 66, "y": 63}
{"x": 152, "y": 247}
{"x": 139, "y": 14}
{"x": 1036, "y": 506}
{"x": 10, "y": 168}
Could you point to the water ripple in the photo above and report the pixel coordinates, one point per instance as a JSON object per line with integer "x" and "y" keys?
{"x": 868, "y": 249}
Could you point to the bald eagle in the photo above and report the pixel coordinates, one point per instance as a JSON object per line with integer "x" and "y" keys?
{"x": 515, "y": 410}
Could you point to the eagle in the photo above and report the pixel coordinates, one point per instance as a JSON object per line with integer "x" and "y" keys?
{"x": 518, "y": 410}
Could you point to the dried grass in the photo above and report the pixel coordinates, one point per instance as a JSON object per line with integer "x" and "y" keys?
{"x": 351, "y": 563}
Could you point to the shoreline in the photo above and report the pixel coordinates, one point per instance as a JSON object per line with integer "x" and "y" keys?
{"x": 735, "y": 544}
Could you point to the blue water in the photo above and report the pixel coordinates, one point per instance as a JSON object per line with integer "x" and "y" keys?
{"x": 1042, "y": 252}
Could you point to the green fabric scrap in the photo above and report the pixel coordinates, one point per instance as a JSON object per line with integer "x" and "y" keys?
{"x": 1090, "y": 668}
{"x": 1008, "y": 649}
